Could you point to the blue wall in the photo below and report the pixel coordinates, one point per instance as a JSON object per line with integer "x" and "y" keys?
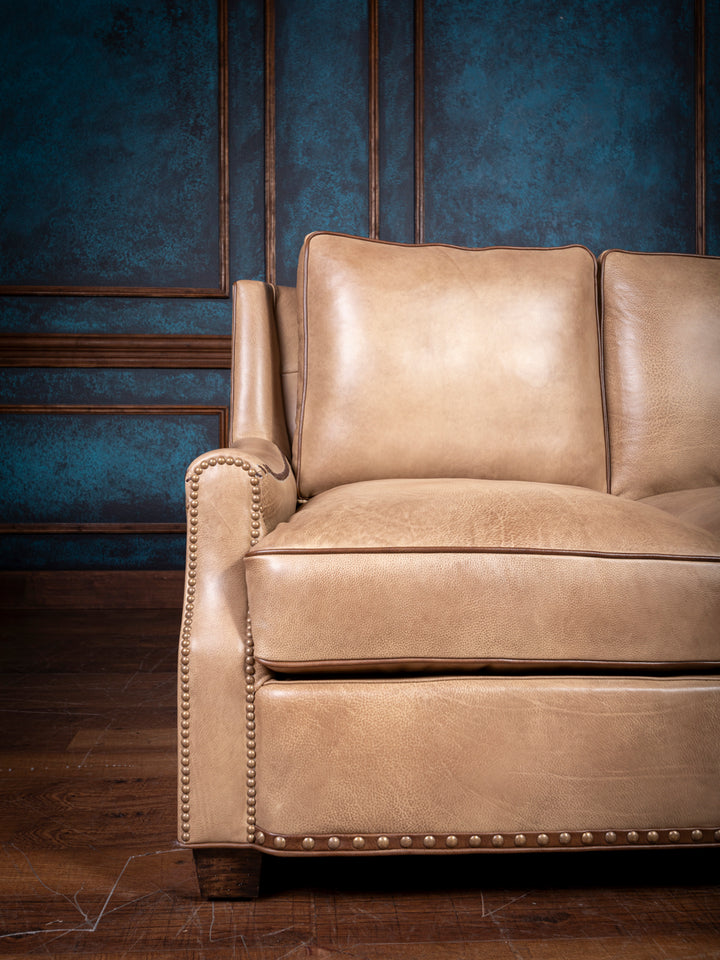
{"x": 130, "y": 198}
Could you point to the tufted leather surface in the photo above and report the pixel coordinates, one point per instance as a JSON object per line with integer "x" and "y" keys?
{"x": 661, "y": 318}
{"x": 432, "y": 361}
{"x": 466, "y": 573}
{"x": 488, "y": 754}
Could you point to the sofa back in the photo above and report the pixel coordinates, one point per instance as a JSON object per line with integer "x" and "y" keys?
{"x": 661, "y": 332}
{"x": 440, "y": 361}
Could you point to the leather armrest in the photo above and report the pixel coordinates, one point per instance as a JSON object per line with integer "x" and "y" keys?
{"x": 234, "y": 497}
{"x": 249, "y": 487}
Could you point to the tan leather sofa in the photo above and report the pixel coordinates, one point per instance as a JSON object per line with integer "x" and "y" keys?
{"x": 455, "y": 585}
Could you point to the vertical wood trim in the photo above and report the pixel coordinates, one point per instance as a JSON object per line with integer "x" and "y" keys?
{"x": 700, "y": 143}
{"x": 419, "y": 123}
{"x": 270, "y": 142}
{"x": 224, "y": 151}
{"x": 373, "y": 123}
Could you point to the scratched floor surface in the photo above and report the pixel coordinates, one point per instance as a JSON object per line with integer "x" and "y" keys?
{"x": 89, "y": 866}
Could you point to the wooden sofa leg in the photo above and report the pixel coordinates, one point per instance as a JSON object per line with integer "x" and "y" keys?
{"x": 225, "y": 874}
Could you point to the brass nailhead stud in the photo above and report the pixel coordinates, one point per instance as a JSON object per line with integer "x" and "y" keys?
{"x": 543, "y": 839}
{"x": 383, "y": 843}
{"x": 405, "y": 841}
{"x": 520, "y": 840}
{"x": 260, "y": 837}
{"x": 334, "y": 843}
{"x": 498, "y": 840}
{"x": 587, "y": 838}
{"x": 610, "y": 837}
{"x": 633, "y": 836}
{"x": 429, "y": 841}
{"x": 308, "y": 843}
{"x": 717, "y": 834}
{"x": 653, "y": 836}
{"x": 279, "y": 843}
{"x": 674, "y": 835}
{"x": 697, "y": 835}
{"x": 358, "y": 843}
{"x": 451, "y": 841}
{"x": 474, "y": 841}
{"x": 565, "y": 839}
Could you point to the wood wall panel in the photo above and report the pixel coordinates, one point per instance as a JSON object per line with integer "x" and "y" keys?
{"x": 111, "y": 175}
{"x": 375, "y": 117}
{"x": 578, "y": 130}
{"x": 98, "y": 471}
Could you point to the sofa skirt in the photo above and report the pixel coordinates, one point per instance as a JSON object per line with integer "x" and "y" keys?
{"x": 355, "y": 766}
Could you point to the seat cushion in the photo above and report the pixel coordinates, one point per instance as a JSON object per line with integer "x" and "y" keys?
{"x": 464, "y": 574}
{"x": 700, "y": 507}
{"x": 440, "y": 361}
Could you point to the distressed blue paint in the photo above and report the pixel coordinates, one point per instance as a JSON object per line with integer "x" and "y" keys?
{"x": 92, "y": 552}
{"x": 551, "y": 122}
{"x": 99, "y": 468}
{"x": 108, "y": 113}
{"x": 114, "y": 315}
{"x": 712, "y": 127}
{"x": 26, "y": 385}
{"x": 397, "y": 117}
{"x": 322, "y": 122}
{"x": 247, "y": 165}
{"x": 546, "y": 122}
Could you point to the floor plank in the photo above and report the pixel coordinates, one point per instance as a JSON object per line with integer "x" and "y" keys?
{"x": 89, "y": 866}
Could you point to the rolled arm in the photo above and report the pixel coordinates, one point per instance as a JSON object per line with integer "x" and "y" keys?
{"x": 234, "y": 497}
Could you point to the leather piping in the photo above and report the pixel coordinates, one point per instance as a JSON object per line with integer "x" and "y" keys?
{"x": 600, "y": 317}
{"x": 521, "y": 551}
{"x": 514, "y": 666}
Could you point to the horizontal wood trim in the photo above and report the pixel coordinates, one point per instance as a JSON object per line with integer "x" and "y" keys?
{"x": 121, "y": 409}
{"x": 114, "y": 350}
{"x": 91, "y": 589}
{"x": 58, "y": 290}
{"x": 138, "y": 528}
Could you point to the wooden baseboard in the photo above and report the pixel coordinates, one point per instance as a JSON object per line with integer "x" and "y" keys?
{"x": 91, "y": 589}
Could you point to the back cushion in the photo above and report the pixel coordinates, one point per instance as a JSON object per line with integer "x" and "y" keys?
{"x": 439, "y": 361}
{"x": 661, "y": 316}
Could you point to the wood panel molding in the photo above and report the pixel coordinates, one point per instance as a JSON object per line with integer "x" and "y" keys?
{"x": 125, "y": 409}
{"x": 114, "y": 350}
{"x": 139, "y": 528}
{"x": 223, "y": 288}
{"x": 270, "y": 144}
{"x": 419, "y": 122}
{"x": 223, "y": 152}
{"x": 373, "y": 121}
{"x": 42, "y": 529}
{"x": 700, "y": 141}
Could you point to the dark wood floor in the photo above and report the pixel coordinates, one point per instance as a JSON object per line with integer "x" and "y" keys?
{"x": 89, "y": 866}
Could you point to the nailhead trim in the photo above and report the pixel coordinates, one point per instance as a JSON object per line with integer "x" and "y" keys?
{"x": 355, "y": 843}
{"x": 250, "y": 730}
{"x": 255, "y": 474}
